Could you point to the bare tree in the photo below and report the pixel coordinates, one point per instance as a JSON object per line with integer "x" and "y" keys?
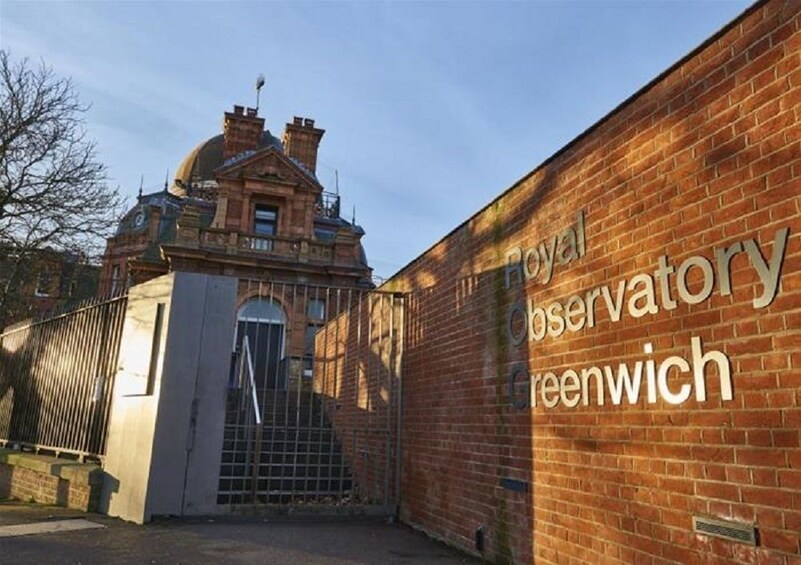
{"x": 53, "y": 192}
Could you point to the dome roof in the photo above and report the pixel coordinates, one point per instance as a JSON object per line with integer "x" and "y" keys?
{"x": 199, "y": 165}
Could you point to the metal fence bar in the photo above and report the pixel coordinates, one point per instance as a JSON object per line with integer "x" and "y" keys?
{"x": 390, "y": 396}
{"x": 297, "y": 431}
{"x": 284, "y": 427}
{"x": 399, "y": 412}
{"x": 345, "y": 357}
{"x": 320, "y": 456}
{"x": 59, "y": 373}
{"x": 108, "y": 371}
{"x": 253, "y": 397}
{"x": 95, "y": 366}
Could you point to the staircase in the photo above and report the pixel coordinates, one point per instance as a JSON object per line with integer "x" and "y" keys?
{"x": 300, "y": 460}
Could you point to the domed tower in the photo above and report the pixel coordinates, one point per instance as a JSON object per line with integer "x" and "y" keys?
{"x": 195, "y": 174}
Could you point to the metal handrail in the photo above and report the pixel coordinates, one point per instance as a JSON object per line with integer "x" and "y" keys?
{"x": 247, "y": 361}
{"x": 247, "y": 358}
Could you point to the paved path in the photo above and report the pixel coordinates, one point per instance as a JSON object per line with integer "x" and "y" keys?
{"x": 254, "y": 541}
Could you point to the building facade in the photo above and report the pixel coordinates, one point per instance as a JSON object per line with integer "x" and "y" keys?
{"x": 36, "y": 282}
{"x": 248, "y": 205}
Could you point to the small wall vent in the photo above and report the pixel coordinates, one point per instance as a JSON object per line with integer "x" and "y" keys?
{"x": 725, "y": 529}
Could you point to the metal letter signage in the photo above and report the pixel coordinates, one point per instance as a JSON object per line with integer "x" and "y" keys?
{"x": 644, "y": 294}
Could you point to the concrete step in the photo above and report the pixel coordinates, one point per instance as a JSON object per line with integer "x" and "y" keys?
{"x": 271, "y": 470}
{"x": 316, "y": 488}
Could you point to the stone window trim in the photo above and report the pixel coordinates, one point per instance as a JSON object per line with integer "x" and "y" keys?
{"x": 44, "y": 282}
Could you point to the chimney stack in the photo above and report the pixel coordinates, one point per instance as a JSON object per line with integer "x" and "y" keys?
{"x": 242, "y": 131}
{"x": 301, "y": 140}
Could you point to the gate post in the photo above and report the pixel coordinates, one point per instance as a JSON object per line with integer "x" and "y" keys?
{"x": 166, "y": 424}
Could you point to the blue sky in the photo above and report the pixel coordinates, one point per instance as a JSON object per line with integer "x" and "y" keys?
{"x": 431, "y": 109}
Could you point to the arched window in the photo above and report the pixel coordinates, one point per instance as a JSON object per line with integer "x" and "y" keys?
{"x": 261, "y": 310}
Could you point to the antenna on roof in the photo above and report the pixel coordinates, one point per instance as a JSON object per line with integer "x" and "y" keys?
{"x": 141, "y": 182}
{"x": 166, "y": 180}
{"x": 259, "y": 84}
{"x": 354, "y": 215}
{"x": 336, "y": 181}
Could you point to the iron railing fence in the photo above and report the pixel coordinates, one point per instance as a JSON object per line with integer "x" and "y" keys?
{"x": 56, "y": 379}
{"x": 328, "y": 205}
{"x": 326, "y": 368}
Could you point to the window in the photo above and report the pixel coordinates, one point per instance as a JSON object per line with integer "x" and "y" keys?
{"x": 115, "y": 279}
{"x": 316, "y": 309}
{"x": 265, "y": 222}
{"x": 325, "y": 235}
{"x": 308, "y": 357}
{"x": 264, "y": 310}
{"x": 43, "y": 284}
{"x": 263, "y": 322}
{"x": 311, "y": 332}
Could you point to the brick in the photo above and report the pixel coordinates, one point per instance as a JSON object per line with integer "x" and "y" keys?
{"x": 757, "y": 419}
{"x": 790, "y": 479}
{"x": 724, "y": 491}
{"x": 781, "y": 540}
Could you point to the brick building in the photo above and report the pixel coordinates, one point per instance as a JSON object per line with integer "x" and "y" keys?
{"x": 40, "y": 281}
{"x": 248, "y": 205}
{"x": 602, "y": 365}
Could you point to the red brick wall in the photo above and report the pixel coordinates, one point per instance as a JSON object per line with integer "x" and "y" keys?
{"x": 707, "y": 156}
{"x": 356, "y": 372}
{"x": 29, "y": 485}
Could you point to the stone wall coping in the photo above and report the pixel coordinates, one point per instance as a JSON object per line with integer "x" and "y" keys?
{"x": 73, "y": 471}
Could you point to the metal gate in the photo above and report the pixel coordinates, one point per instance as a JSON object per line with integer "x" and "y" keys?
{"x": 314, "y": 397}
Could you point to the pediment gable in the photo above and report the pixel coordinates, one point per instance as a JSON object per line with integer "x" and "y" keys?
{"x": 270, "y": 165}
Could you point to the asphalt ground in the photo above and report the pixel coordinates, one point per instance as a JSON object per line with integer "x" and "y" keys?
{"x": 210, "y": 541}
